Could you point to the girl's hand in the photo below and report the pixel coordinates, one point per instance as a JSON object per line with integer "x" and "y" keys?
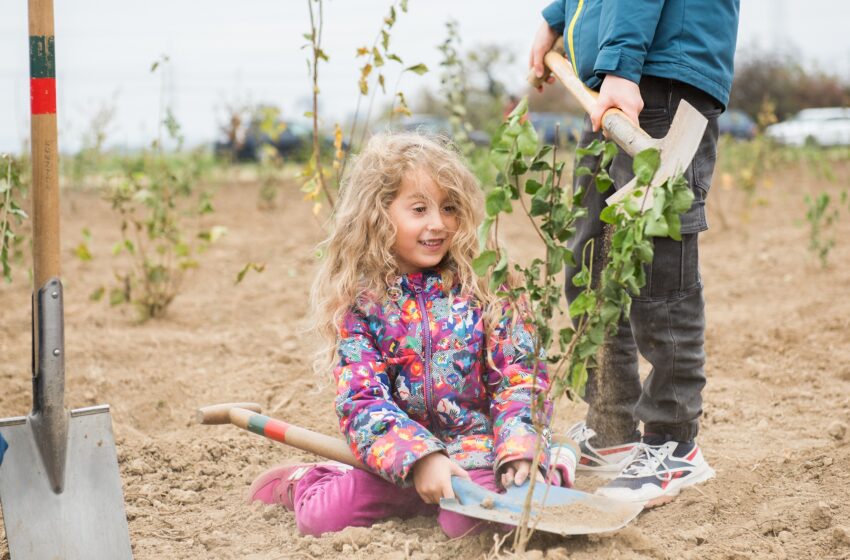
{"x": 516, "y": 472}
{"x": 432, "y": 477}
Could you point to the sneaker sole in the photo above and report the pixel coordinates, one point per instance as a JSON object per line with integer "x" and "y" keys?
{"x": 673, "y": 491}
{"x": 671, "y": 495}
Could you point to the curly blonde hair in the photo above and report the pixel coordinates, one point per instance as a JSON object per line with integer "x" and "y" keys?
{"x": 358, "y": 258}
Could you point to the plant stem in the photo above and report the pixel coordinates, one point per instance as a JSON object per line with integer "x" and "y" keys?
{"x": 315, "y": 41}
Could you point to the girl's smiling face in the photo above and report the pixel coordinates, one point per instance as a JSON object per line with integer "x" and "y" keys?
{"x": 425, "y": 221}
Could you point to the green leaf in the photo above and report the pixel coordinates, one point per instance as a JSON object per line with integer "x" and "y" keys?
{"x": 117, "y": 296}
{"x": 585, "y": 302}
{"x": 582, "y": 278}
{"x": 484, "y": 232}
{"x": 682, "y": 200}
{"x": 418, "y": 68}
{"x": 582, "y": 171}
{"x": 97, "y": 294}
{"x": 544, "y": 151}
{"x": 481, "y": 264}
{"x": 595, "y": 148}
{"x": 657, "y": 227}
{"x": 257, "y": 267}
{"x": 521, "y": 108}
{"x": 555, "y": 259}
{"x": 532, "y": 186}
{"x": 539, "y": 205}
{"x": 609, "y": 152}
{"x": 500, "y": 272}
{"x": 578, "y": 378}
{"x": 646, "y": 164}
{"x": 610, "y": 313}
{"x": 609, "y": 214}
{"x": 603, "y": 182}
{"x": 495, "y": 201}
{"x": 499, "y": 157}
{"x": 527, "y": 140}
{"x": 674, "y": 226}
{"x": 82, "y": 252}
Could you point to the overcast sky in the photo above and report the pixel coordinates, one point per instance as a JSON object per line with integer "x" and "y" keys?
{"x": 252, "y": 53}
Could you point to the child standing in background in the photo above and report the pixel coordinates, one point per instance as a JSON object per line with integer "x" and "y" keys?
{"x": 434, "y": 373}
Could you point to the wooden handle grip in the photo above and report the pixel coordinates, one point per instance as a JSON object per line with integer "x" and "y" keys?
{"x": 616, "y": 125}
{"x": 247, "y": 416}
{"x": 45, "y": 150}
{"x": 220, "y": 413}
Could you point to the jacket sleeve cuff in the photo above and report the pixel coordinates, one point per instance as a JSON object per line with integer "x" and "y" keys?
{"x": 615, "y": 61}
{"x": 555, "y": 16}
{"x": 518, "y": 444}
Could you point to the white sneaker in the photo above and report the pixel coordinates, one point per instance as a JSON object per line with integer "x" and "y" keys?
{"x": 605, "y": 462}
{"x": 656, "y": 474}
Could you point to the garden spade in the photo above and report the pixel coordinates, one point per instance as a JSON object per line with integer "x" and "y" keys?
{"x": 60, "y": 489}
{"x": 556, "y": 510}
{"x": 677, "y": 149}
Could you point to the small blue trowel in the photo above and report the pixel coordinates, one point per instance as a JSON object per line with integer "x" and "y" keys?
{"x": 562, "y": 511}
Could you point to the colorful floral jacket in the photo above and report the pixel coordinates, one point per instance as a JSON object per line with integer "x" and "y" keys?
{"x": 414, "y": 379}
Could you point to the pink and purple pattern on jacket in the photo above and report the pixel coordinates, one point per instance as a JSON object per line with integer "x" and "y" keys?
{"x": 395, "y": 406}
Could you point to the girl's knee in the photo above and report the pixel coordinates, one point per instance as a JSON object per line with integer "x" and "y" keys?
{"x": 315, "y": 523}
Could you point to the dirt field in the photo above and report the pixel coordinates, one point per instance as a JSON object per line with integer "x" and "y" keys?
{"x": 777, "y": 405}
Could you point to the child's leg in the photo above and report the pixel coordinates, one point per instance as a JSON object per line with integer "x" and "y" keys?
{"x": 328, "y": 500}
{"x": 457, "y": 525}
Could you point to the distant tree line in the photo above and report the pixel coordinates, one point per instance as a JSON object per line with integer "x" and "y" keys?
{"x": 785, "y": 84}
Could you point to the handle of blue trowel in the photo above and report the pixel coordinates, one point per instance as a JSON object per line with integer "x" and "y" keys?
{"x": 248, "y": 417}
{"x": 615, "y": 123}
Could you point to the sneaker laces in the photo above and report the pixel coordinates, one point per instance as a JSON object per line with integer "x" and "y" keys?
{"x": 646, "y": 460}
{"x": 580, "y": 432}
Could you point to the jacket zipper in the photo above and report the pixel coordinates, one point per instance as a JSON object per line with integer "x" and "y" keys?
{"x": 426, "y": 329}
{"x": 570, "y": 36}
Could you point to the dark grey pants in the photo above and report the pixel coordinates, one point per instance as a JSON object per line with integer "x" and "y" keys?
{"x": 667, "y": 321}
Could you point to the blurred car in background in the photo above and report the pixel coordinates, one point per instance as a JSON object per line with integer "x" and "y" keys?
{"x": 436, "y": 125}
{"x": 737, "y": 124}
{"x": 826, "y": 126}
{"x": 293, "y": 141}
{"x": 557, "y": 129}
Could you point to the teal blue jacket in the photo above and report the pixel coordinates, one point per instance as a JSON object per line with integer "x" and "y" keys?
{"x": 692, "y": 41}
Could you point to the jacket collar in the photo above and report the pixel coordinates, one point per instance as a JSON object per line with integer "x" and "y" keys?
{"x": 426, "y": 281}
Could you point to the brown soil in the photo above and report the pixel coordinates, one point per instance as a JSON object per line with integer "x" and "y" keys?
{"x": 776, "y": 406}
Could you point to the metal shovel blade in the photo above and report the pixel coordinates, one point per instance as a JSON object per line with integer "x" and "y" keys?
{"x": 562, "y": 511}
{"x": 84, "y": 521}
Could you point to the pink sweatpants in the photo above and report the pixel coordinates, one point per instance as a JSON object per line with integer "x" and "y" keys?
{"x": 329, "y": 500}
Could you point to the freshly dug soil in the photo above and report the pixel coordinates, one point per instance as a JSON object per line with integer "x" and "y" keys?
{"x": 777, "y": 403}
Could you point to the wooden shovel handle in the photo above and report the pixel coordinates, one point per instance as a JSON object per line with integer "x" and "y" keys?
{"x": 615, "y": 123}
{"x": 45, "y": 151}
{"x": 301, "y": 438}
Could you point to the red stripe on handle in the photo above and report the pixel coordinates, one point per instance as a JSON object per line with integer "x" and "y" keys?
{"x": 43, "y": 96}
{"x": 276, "y": 430}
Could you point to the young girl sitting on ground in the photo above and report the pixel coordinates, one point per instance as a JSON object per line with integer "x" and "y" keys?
{"x": 434, "y": 374}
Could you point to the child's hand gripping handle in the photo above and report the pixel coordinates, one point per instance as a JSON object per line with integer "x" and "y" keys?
{"x": 247, "y": 416}
{"x": 616, "y": 125}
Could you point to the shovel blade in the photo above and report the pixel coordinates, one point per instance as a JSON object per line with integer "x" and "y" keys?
{"x": 87, "y": 519}
{"x": 562, "y": 511}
